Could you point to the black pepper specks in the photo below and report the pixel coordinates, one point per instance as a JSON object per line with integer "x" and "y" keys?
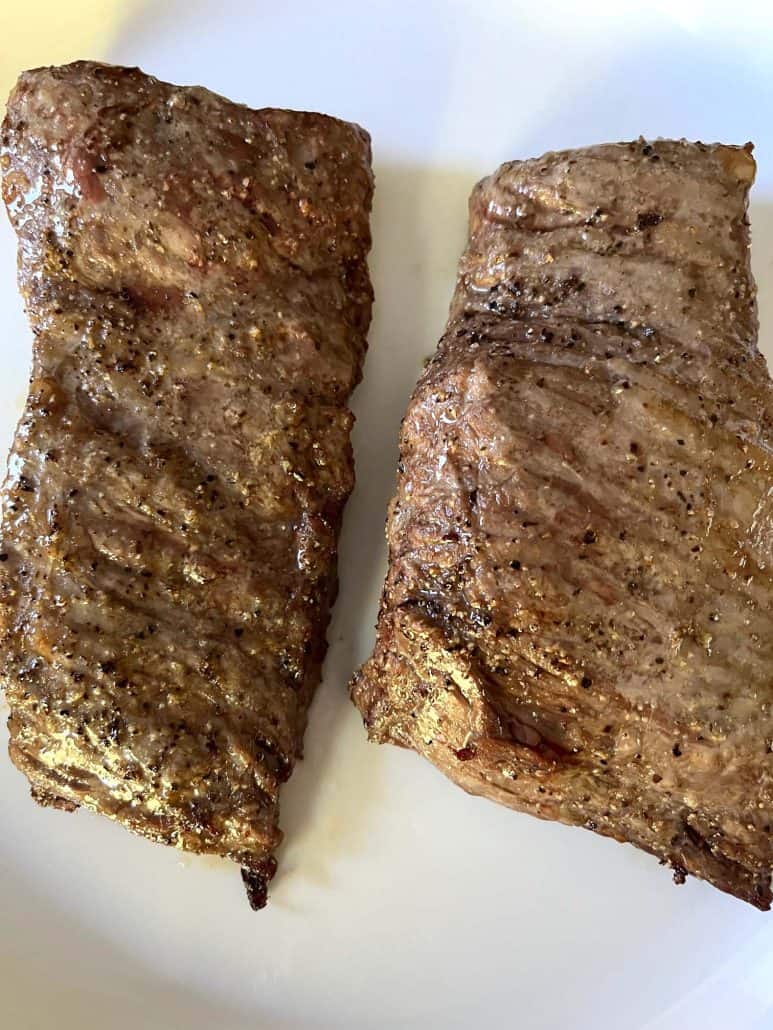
{"x": 647, "y": 219}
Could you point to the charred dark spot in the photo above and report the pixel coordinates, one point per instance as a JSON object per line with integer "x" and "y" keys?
{"x": 267, "y": 751}
{"x": 256, "y": 881}
{"x": 589, "y": 537}
{"x": 586, "y": 683}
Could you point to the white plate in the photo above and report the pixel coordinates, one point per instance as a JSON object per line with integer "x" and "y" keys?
{"x": 401, "y": 902}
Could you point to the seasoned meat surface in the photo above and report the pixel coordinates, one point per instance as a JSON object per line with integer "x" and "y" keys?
{"x": 577, "y": 620}
{"x": 195, "y": 277}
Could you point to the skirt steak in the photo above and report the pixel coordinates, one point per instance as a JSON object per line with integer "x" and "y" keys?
{"x": 195, "y": 277}
{"x": 577, "y": 620}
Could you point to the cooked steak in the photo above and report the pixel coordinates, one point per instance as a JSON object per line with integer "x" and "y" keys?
{"x": 195, "y": 277}
{"x": 578, "y": 615}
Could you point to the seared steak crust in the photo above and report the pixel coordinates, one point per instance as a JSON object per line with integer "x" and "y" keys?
{"x": 195, "y": 277}
{"x": 578, "y": 615}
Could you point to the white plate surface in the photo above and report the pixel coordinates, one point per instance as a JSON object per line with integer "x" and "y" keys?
{"x": 401, "y": 902}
